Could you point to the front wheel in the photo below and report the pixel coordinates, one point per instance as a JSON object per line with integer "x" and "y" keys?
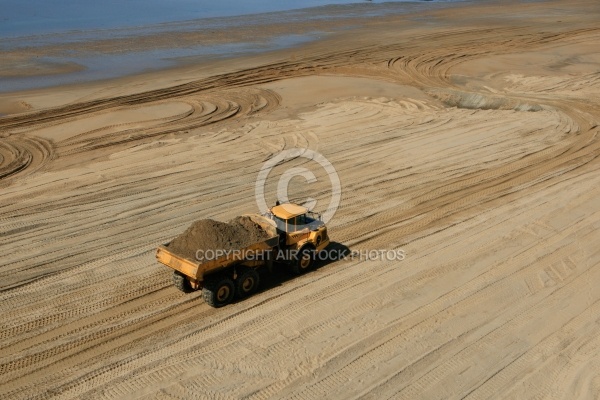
{"x": 304, "y": 261}
{"x": 218, "y": 292}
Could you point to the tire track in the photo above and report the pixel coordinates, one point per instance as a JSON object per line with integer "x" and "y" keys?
{"x": 22, "y": 155}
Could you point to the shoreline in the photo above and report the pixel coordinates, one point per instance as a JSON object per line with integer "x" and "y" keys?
{"x": 56, "y": 60}
{"x": 214, "y": 18}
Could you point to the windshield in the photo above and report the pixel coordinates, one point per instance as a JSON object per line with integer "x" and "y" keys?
{"x": 293, "y": 224}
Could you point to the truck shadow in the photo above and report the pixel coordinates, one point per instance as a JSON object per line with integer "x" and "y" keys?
{"x": 283, "y": 273}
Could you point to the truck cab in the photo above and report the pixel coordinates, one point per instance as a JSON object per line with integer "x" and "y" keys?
{"x": 299, "y": 228}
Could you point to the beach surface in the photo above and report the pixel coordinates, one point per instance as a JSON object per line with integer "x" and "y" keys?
{"x": 465, "y": 137}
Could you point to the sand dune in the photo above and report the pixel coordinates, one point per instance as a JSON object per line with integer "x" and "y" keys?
{"x": 470, "y": 143}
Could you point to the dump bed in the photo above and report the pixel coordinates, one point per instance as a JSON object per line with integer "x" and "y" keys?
{"x": 197, "y": 269}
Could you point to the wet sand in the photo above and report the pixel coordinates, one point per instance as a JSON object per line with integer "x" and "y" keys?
{"x": 466, "y": 137}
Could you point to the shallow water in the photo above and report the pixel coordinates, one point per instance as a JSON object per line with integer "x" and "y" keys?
{"x": 39, "y": 17}
{"x": 52, "y": 33}
{"x": 102, "y": 66}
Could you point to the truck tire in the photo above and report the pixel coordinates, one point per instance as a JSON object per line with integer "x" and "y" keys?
{"x": 181, "y": 282}
{"x": 304, "y": 261}
{"x": 247, "y": 282}
{"x": 218, "y": 292}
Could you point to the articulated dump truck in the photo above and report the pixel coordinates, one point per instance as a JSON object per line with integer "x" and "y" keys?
{"x": 222, "y": 259}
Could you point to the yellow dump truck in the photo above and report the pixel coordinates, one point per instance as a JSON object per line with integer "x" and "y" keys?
{"x": 294, "y": 236}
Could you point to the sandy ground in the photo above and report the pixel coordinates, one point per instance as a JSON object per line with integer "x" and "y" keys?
{"x": 467, "y": 138}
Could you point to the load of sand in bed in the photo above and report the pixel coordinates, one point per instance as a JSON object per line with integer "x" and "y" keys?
{"x": 208, "y": 234}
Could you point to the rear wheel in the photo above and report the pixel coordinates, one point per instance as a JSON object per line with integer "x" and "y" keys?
{"x": 304, "y": 261}
{"x": 181, "y": 282}
{"x": 218, "y": 292}
{"x": 246, "y": 282}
